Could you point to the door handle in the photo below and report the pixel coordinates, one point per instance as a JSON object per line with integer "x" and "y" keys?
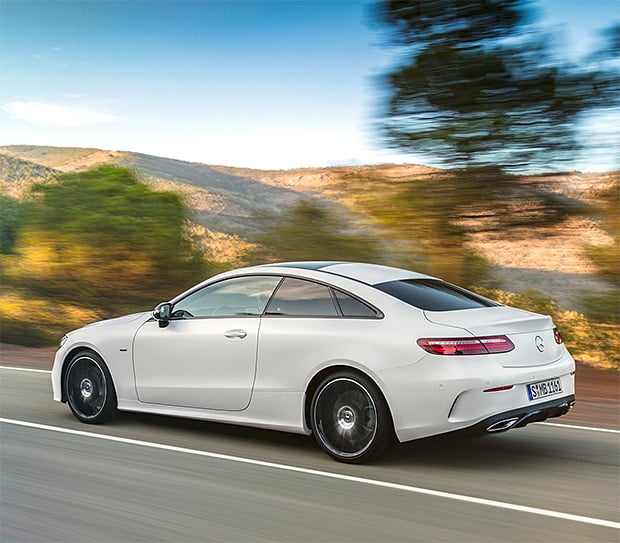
{"x": 235, "y": 334}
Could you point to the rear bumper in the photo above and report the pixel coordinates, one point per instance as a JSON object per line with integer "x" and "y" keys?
{"x": 518, "y": 418}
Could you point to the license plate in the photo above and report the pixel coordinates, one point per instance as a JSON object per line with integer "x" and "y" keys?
{"x": 544, "y": 388}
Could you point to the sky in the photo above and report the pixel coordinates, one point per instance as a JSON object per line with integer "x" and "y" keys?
{"x": 270, "y": 84}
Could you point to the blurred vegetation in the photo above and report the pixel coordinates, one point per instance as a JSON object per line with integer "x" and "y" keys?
{"x": 605, "y": 307}
{"x": 478, "y": 87}
{"x": 607, "y": 258}
{"x": 422, "y": 217}
{"x": 100, "y": 243}
{"x": 478, "y": 84}
{"x": 10, "y": 213}
{"x": 93, "y": 245}
{"x": 588, "y": 341}
{"x": 309, "y": 231}
{"x": 428, "y": 218}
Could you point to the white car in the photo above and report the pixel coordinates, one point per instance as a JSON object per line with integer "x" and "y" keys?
{"x": 356, "y": 354}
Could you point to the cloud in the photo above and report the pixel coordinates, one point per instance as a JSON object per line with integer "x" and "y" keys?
{"x": 49, "y": 114}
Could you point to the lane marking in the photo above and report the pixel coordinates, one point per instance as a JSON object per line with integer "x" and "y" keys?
{"x": 326, "y": 474}
{"x": 576, "y": 427}
{"x": 31, "y": 370}
{"x": 559, "y": 425}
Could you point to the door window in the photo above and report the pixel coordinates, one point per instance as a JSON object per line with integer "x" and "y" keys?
{"x": 299, "y": 298}
{"x": 231, "y": 297}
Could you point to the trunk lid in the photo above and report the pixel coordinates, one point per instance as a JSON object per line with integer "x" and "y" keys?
{"x": 532, "y": 334}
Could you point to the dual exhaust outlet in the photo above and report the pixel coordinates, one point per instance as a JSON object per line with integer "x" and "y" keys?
{"x": 534, "y": 416}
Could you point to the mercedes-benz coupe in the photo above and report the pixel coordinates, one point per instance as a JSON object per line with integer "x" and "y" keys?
{"x": 359, "y": 355}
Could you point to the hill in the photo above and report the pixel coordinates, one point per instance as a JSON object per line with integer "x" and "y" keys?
{"x": 16, "y": 175}
{"x": 224, "y": 202}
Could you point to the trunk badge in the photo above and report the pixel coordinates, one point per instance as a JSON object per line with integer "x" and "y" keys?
{"x": 540, "y": 344}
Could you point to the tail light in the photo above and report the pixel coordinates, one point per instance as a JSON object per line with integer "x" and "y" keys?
{"x": 557, "y": 336}
{"x": 467, "y": 345}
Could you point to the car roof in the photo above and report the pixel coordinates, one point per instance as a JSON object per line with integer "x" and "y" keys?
{"x": 371, "y": 274}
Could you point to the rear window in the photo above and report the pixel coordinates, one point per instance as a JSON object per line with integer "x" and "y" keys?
{"x": 433, "y": 295}
{"x": 352, "y": 307}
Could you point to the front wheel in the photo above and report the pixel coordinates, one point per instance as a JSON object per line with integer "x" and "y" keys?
{"x": 350, "y": 419}
{"x": 89, "y": 389}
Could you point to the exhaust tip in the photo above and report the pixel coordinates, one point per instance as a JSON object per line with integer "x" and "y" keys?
{"x": 502, "y": 425}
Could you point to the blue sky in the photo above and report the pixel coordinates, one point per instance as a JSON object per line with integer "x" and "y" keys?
{"x": 266, "y": 84}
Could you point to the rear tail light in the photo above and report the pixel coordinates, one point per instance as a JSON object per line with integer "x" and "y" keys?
{"x": 557, "y": 336}
{"x": 469, "y": 345}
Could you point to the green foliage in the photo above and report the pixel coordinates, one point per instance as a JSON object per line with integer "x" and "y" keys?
{"x": 477, "y": 86}
{"x": 607, "y": 257}
{"x": 25, "y": 319}
{"x": 308, "y": 231}
{"x": 603, "y": 307}
{"x": 17, "y": 332}
{"x": 103, "y": 239}
{"x": 10, "y": 212}
{"x": 607, "y": 260}
{"x": 424, "y": 216}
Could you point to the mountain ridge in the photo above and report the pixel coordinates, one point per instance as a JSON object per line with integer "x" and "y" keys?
{"x": 224, "y": 201}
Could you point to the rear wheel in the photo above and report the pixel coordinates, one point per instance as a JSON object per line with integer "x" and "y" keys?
{"x": 350, "y": 419}
{"x": 89, "y": 389}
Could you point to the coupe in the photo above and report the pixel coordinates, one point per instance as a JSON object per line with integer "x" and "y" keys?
{"x": 359, "y": 355}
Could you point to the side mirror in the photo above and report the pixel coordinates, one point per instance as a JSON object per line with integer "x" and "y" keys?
{"x": 162, "y": 314}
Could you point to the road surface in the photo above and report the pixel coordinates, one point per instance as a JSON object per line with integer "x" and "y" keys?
{"x": 149, "y": 478}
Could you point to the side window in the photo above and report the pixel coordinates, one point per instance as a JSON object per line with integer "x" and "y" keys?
{"x": 352, "y": 307}
{"x": 231, "y": 297}
{"x": 296, "y": 297}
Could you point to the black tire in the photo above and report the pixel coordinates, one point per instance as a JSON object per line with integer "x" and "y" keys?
{"x": 89, "y": 389}
{"x": 350, "y": 419}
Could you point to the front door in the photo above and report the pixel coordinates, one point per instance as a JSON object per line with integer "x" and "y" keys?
{"x": 206, "y": 356}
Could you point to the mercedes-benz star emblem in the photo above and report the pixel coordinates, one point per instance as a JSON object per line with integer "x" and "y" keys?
{"x": 540, "y": 344}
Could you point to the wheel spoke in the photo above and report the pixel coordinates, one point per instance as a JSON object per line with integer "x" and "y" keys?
{"x": 86, "y": 388}
{"x": 345, "y": 416}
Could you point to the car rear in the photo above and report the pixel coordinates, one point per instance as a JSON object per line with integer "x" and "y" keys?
{"x": 488, "y": 368}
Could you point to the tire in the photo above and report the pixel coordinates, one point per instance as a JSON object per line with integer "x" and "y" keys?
{"x": 350, "y": 418}
{"x": 89, "y": 389}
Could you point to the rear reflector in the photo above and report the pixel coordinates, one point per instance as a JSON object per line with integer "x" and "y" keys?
{"x": 470, "y": 345}
{"x": 499, "y": 389}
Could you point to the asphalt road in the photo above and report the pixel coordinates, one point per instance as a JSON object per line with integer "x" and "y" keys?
{"x": 147, "y": 478}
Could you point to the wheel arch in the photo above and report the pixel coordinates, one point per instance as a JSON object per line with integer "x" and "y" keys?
{"x": 325, "y": 372}
{"x": 65, "y": 366}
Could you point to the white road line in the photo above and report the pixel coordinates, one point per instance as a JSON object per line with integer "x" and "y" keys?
{"x": 576, "y": 427}
{"x": 326, "y": 474}
{"x": 31, "y": 370}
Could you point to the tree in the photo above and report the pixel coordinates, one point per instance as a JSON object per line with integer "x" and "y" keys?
{"x": 308, "y": 231}
{"x": 101, "y": 238}
{"x": 477, "y": 87}
{"x": 10, "y": 209}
